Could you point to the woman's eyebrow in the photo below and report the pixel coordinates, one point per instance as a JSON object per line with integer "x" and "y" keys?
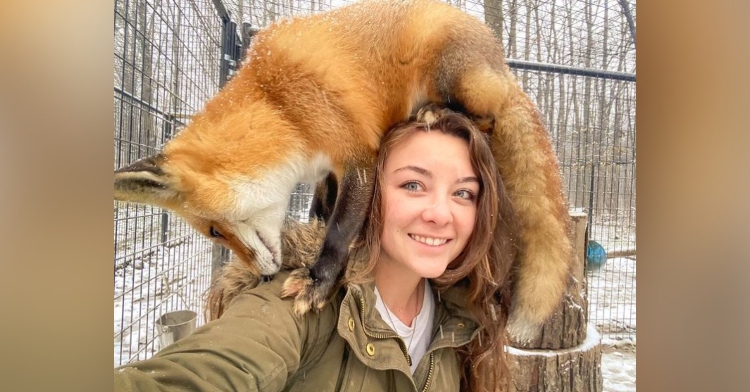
{"x": 467, "y": 179}
{"x": 417, "y": 169}
{"x": 428, "y": 174}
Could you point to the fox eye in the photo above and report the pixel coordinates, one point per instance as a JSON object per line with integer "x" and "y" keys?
{"x": 215, "y": 233}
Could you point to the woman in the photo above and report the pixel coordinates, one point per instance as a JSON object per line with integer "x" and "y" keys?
{"x": 423, "y": 306}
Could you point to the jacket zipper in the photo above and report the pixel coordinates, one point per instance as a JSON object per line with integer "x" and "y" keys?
{"x": 401, "y": 344}
{"x": 382, "y": 335}
{"x": 429, "y": 374}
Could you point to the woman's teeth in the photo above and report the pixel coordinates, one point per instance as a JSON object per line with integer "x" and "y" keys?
{"x": 429, "y": 241}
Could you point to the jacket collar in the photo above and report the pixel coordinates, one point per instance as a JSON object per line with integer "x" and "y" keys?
{"x": 378, "y": 347}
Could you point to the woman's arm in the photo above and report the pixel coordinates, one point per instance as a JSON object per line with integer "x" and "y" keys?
{"x": 255, "y": 346}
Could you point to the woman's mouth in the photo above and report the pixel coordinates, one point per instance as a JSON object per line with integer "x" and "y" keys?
{"x": 431, "y": 241}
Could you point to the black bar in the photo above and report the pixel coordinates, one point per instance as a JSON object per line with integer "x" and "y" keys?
{"x": 591, "y": 201}
{"x": 568, "y": 70}
{"x": 229, "y": 51}
{"x": 164, "y": 226}
{"x": 221, "y": 10}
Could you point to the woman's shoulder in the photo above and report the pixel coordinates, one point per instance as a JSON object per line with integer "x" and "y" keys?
{"x": 265, "y": 298}
{"x": 259, "y": 294}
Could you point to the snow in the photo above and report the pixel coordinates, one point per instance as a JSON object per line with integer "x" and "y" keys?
{"x": 618, "y": 368}
{"x": 592, "y": 339}
{"x": 612, "y": 297}
{"x": 612, "y": 308}
{"x": 152, "y": 278}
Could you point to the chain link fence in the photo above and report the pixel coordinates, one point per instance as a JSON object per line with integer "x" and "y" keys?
{"x": 576, "y": 59}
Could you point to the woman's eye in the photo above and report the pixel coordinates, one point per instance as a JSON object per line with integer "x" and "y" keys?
{"x": 465, "y": 194}
{"x": 215, "y": 233}
{"x": 412, "y": 186}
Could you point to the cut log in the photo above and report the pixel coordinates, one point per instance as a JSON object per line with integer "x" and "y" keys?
{"x": 567, "y": 326}
{"x": 566, "y": 354}
{"x": 576, "y": 369}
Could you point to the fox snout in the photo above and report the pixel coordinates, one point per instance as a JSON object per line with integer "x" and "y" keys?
{"x": 268, "y": 254}
{"x": 245, "y": 213}
{"x": 261, "y": 253}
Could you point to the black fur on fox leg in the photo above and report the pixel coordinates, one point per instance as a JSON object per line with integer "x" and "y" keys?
{"x": 324, "y": 199}
{"x": 349, "y": 214}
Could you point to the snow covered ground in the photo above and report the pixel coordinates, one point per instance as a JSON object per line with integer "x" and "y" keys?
{"x": 612, "y": 297}
{"x": 161, "y": 265}
{"x": 618, "y": 367}
{"x": 612, "y": 303}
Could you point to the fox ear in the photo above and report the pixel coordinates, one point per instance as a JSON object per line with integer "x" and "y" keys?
{"x": 146, "y": 182}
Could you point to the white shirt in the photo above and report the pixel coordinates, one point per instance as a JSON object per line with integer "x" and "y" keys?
{"x": 417, "y": 337}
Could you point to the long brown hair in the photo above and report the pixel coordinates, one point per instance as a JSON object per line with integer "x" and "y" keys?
{"x": 484, "y": 264}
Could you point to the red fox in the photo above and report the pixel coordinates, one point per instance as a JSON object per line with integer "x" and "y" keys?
{"x": 314, "y": 96}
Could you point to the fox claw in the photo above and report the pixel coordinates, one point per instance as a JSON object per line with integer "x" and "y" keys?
{"x": 308, "y": 293}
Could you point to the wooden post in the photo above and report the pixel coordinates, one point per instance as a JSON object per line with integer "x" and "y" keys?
{"x": 566, "y": 354}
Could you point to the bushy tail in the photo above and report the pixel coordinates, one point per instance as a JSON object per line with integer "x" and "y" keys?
{"x": 531, "y": 174}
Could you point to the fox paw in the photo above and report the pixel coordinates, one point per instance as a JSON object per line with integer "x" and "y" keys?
{"x": 432, "y": 112}
{"x": 308, "y": 293}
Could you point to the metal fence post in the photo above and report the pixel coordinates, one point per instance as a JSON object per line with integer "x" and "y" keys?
{"x": 166, "y": 135}
{"x": 231, "y": 51}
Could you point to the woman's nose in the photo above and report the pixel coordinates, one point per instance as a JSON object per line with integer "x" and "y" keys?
{"x": 437, "y": 211}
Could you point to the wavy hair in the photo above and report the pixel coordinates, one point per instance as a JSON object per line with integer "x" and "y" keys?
{"x": 484, "y": 265}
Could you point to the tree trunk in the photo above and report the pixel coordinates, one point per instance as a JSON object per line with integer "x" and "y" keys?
{"x": 566, "y": 327}
{"x": 629, "y": 17}
{"x": 147, "y": 132}
{"x": 511, "y": 49}
{"x": 493, "y": 17}
{"x": 570, "y": 370}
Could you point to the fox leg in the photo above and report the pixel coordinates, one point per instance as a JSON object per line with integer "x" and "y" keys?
{"x": 530, "y": 172}
{"x": 312, "y": 286}
{"x": 324, "y": 198}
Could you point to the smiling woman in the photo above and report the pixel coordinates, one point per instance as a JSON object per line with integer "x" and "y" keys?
{"x": 429, "y": 194}
{"x": 423, "y": 305}
{"x": 440, "y": 216}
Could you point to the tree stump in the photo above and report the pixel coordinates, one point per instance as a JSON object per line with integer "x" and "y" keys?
{"x": 576, "y": 369}
{"x": 566, "y": 354}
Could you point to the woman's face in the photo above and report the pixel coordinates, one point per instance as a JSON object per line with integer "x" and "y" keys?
{"x": 429, "y": 195}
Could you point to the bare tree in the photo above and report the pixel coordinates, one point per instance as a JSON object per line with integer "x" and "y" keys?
{"x": 511, "y": 48}
{"x": 628, "y": 17}
{"x": 147, "y": 134}
{"x": 493, "y": 16}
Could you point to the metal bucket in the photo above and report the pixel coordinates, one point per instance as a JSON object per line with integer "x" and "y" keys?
{"x": 173, "y": 326}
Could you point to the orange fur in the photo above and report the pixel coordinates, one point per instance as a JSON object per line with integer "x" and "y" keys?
{"x": 331, "y": 84}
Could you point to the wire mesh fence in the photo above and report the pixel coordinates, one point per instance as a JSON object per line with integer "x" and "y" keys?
{"x": 165, "y": 67}
{"x": 576, "y": 59}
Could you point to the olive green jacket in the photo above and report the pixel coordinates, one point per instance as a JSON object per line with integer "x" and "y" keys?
{"x": 259, "y": 345}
